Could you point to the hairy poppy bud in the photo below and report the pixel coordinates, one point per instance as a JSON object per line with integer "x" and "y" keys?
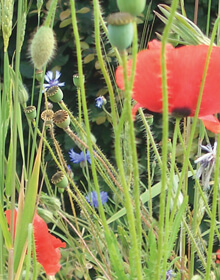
{"x": 120, "y": 30}
{"x": 135, "y": 8}
{"x": 22, "y": 94}
{"x": 61, "y": 119}
{"x": 76, "y": 81}
{"x": 55, "y": 94}
{"x": 42, "y": 47}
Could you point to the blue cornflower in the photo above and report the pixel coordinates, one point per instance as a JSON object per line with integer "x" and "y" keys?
{"x": 81, "y": 157}
{"x": 100, "y": 101}
{"x": 52, "y": 82}
{"x": 207, "y": 164}
{"x": 92, "y": 198}
{"x": 170, "y": 274}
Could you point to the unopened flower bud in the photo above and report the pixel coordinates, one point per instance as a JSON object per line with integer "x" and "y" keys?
{"x": 42, "y": 47}
{"x": 39, "y": 75}
{"x": 76, "y": 81}
{"x": 120, "y": 30}
{"x": 61, "y": 119}
{"x": 22, "y": 94}
{"x": 30, "y": 112}
{"x": 55, "y": 94}
{"x": 134, "y": 7}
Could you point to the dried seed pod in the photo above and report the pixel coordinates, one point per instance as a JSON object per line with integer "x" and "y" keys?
{"x": 42, "y": 47}
{"x": 120, "y": 30}
{"x": 47, "y": 117}
{"x": 59, "y": 180}
{"x": 61, "y": 119}
{"x": 55, "y": 94}
{"x": 30, "y": 112}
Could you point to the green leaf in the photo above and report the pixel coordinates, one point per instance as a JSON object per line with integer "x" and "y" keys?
{"x": 25, "y": 217}
{"x": 4, "y": 228}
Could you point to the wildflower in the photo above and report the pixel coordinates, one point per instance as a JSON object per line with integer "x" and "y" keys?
{"x": 78, "y": 158}
{"x": 53, "y": 81}
{"x": 218, "y": 256}
{"x": 185, "y": 67}
{"x": 170, "y": 274}
{"x": 207, "y": 163}
{"x": 100, "y": 101}
{"x": 47, "y": 246}
{"x": 92, "y": 198}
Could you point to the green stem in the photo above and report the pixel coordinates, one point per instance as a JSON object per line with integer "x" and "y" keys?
{"x": 135, "y": 234}
{"x": 97, "y": 15}
{"x": 51, "y": 12}
{"x": 164, "y": 140}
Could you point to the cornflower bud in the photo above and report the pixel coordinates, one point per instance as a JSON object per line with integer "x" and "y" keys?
{"x": 42, "y": 47}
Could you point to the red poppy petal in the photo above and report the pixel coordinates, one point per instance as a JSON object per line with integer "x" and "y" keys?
{"x": 211, "y": 123}
{"x": 185, "y": 67}
{"x": 134, "y": 110}
{"x": 48, "y": 254}
{"x": 8, "y": 218}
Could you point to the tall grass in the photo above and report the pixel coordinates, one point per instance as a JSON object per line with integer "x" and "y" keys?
{"x": 160, "y": 223}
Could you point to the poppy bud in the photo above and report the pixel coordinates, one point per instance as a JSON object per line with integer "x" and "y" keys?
{"x": 61, "y": 119}
{"x": 120, "y": 30}
{"x": 42, "y": 47}
{"x": 59, "y": 180}
{"x": 76, "y": 80}
{"x": 30, "y": 112}
{"x": 55, "y": 94}
{"x": 22, "y": 94}
{"x": 135, "y": 8}
{"x": 39, "y": 75}
{"x": 149, "y": 118}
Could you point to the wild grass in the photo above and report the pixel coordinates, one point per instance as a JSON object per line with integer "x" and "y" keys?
{"x": 159, "y": 222}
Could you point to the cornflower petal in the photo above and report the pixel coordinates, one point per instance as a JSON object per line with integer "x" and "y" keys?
{"x": 49, "y": 76}
{"x": 79, "y": 157}
{"x": 53, "y": 82}
{"x": 92, "y": 198}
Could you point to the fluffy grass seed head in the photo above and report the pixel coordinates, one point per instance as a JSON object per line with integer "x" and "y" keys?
{"x": 6, "y": 20}
{"x": 42, "y": 47}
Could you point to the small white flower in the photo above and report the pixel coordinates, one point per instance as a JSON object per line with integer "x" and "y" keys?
{"x": 207, "y": 162}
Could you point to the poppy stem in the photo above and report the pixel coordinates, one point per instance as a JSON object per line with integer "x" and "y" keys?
{"x": 161, "y": 252}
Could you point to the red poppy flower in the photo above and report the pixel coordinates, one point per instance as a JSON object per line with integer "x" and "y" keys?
{"x": 47, "y": 246}
{"x": 218, "y": 256}
{"x": 185, "y": 67}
